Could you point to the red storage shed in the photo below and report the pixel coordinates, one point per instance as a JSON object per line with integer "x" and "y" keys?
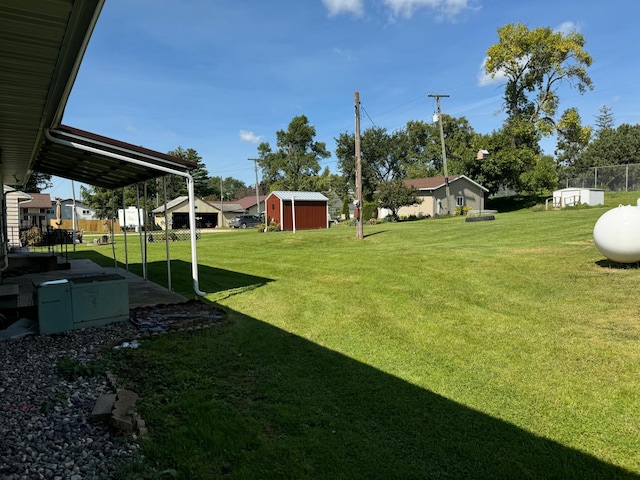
{"x": 298, "y": 210}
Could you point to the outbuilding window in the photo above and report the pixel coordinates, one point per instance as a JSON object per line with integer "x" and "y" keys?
{"x": 460, "y": 201}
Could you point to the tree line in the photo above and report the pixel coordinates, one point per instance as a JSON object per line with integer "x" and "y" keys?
{"x": 533, "y": 64}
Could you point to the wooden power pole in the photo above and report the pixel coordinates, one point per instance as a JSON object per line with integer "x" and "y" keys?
{"x": 358, "y": 202}
{"x": 444, "y": 152}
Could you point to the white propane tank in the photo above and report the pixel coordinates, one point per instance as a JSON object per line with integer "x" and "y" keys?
{"x": 617, "y": 234}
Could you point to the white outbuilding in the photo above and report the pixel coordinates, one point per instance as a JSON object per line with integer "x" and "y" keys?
{"x": 568, "y": 197}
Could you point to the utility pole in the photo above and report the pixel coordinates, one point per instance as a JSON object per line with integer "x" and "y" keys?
{"x": 255, "y": 163}
{"x": 444, "y": 153}
{"x": 359, "y": 228}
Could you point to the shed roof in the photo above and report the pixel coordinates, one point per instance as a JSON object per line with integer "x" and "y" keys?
{"x": 300, "y": 196}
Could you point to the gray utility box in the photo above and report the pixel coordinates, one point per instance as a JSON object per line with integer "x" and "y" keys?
{"x": 81, "y": 302}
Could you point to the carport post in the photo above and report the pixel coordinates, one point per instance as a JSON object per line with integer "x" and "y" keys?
{"x": 141, "y": 234}
{"x": 124, "y": 231}
{"x": 113, "y": 226}
{"x": 166, "y": 231}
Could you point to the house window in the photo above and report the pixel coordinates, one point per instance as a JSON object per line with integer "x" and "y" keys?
{"x": 460, "y": 201}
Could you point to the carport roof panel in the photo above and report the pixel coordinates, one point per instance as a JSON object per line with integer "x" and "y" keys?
{"x": 107, "y": 165}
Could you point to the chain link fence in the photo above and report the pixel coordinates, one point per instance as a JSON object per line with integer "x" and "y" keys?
{"x": 612, "y": 178}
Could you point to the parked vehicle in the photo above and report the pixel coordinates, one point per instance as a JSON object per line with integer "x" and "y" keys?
{"x": 244, "y": 221}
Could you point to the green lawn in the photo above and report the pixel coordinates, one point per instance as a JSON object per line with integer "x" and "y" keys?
{"x": 431, "y": 349}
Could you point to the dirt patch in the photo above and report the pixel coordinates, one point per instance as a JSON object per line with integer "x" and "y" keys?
{"x": 176, "y": 316}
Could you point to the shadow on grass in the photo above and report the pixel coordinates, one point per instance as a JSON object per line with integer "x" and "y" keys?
{"x": 371, "y": 234}
{"x": 618, "y": 266}
{"x": 514, "y": 202}
{"x": 211, "y": 279}
{"x": 249, "y": 400}
{"x": 246, "y": 399}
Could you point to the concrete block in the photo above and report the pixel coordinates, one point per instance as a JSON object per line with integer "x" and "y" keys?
{"x": 103, "y": 407}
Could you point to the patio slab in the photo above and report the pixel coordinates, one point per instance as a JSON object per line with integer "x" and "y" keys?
{"x": 142, "y": 293}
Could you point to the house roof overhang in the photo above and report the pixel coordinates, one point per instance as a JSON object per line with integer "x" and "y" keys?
{"x": 42, "y": 44}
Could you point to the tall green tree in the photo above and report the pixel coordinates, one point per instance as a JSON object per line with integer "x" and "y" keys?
{"x": 605, "y": 120}
{"x": 38, "y": 182}
{"x": 572, "y": 138}
{"x": 177, "y": 184}
{"x": 394, "y": 194}
{"x": 295, "y": 164}
{"x": 617, "y": 146}
{"x": 101, "y": 200}
{"x": 383, "y": 157}
{"x": 232, "y": 188}
{"x": 535, "y": 63}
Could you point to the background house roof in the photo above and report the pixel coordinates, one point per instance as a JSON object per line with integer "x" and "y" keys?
{"x": 433, "y": 183}
{"x": 38, "y": 200}
{"x": 249, "y": 201}
{"x": 300, "y": 196}
{"x": 173, "y": 203}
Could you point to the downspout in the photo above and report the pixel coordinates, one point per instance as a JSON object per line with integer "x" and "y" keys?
{"x": 190, "y": 189}
{"x": 4, "y": 254}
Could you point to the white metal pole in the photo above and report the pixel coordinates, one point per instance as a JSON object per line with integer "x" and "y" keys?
{"x": 74, "y": 224}
{"x": 124, "y": 231}
{"x": 293, "y": 212}
{"x": 166, "y": 232}
{"x": 140, "y": 234}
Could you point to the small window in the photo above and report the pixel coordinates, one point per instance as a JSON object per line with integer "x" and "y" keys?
{"x": 460, "y": 201}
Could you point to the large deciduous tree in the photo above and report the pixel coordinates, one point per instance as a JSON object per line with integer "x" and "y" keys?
{"x": 573, "y": 138}
{"x": 394, "y": 194}
{"x": 296, "y": 162}
{"x": 38, "y": 182}
{"x": 535, "y": 63}
{"x": 612, "y": 147}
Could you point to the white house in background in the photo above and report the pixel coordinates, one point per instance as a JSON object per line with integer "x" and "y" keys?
{"x": 13, "y": 199}
{"x": 83, "y": 212}
{"x": 568, "y": 197}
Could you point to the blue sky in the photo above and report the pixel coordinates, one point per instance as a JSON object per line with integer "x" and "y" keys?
{"x": 220, "y": 76}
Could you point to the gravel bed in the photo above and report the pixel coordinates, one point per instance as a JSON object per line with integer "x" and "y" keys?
{"x": 45, "y": 426}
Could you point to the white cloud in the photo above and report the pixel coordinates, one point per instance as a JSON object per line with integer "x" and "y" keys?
{"x": 485, "y": 80}
{"x": 566, "y": 27}
{"x": 406, "y": 8}
{"x": 344, "y": 54}
{"x": 132, "y": 129}
{"x": 336, "y": 7}
{"x": 250, "y": 137}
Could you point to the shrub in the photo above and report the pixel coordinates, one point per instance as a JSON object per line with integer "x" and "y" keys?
{"x": 345, "y": 208}
{"x": 462, "y": 211}
{"x": 32, "y": 237}
{"x": 273, "y": 227}
{"x": 369, "y": 210}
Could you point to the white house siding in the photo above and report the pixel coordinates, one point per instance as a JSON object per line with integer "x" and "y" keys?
{"x": 13, "y": 216}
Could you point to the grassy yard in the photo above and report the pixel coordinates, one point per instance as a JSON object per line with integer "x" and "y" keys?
{"x": 431, "y": 349}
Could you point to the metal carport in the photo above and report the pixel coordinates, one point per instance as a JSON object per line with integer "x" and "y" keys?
{"x": 42, "y": 43}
